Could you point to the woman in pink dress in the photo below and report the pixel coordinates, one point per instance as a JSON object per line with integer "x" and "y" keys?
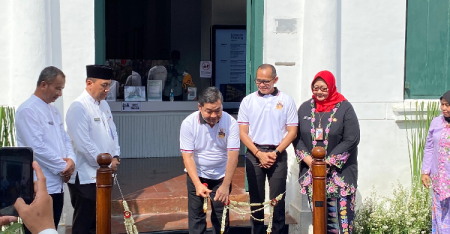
{"x": 436, "y": 167}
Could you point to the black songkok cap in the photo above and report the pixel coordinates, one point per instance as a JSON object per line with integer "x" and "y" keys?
{"x": 99, "y": 72}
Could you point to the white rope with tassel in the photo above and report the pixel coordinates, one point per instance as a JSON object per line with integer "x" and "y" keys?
{"x": 233, "y": 206}
{"x": 127, "y": 215}
{"x": 205, "y": 201}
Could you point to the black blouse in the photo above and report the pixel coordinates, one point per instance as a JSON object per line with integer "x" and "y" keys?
{"x": 342, "y": 151}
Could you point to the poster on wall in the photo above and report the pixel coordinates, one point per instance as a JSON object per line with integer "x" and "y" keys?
{"x": 131, "y": 106}
{"x": 205, "y": 69}
{"x": 229, "y": 63}
{"x": 135, "y": 94}
{"x": 154, "y": 90}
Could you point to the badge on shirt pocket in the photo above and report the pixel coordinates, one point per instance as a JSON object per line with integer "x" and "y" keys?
{"x": 279, "y": 105}
{"x": 96, "y": 119}
{"x": 221, "y": 133}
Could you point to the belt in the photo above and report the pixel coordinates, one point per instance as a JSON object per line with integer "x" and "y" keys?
{"x": 269, "y": 147}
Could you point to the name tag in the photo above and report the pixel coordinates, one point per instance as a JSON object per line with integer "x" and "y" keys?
{"x": 96, "y": 119}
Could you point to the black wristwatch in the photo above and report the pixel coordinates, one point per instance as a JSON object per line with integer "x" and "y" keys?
{"x": 117, "y": 157}
{"x": 276, "y": 151}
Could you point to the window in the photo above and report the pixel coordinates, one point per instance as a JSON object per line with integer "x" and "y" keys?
{"x": 427, "y": 73}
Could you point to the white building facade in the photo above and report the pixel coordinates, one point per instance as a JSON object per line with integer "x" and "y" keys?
{"x": 361, "y": 42}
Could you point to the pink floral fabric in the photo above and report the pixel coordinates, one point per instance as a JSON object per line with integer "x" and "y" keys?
{"x": 441, "y": 180}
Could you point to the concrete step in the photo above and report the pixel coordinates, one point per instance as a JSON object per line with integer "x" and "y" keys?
{"x": 178, "y": 221}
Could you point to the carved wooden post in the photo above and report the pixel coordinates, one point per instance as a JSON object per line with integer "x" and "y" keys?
{"x": 319, "y": 174}
{"x": 104, "y": 187}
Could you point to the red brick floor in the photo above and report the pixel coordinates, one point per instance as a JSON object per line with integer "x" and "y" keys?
{"x": 156, "y": 193}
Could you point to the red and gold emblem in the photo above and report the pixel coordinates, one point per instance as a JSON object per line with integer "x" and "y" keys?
{"x": 221, "y": 133}
{"x": 280, "y": 105}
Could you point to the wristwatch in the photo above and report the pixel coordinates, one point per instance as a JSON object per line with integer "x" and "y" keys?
{"x": 276, "y": 151}
{"x": 117, "y": 157}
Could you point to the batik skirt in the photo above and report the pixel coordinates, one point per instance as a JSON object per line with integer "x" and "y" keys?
{"x": 341, "y": 212}
{"x": 440, "y": 215}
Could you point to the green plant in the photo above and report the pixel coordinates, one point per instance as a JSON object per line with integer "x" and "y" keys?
{"x": 7, "y": 135}
{"x": 407, "y": 211}
{"x": 7, "y": 130}
{"x": 416, "y": 134}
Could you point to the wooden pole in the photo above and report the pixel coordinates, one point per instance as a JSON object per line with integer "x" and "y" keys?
{"x": 319, "y": 174}
{"x": 104, "y": 187}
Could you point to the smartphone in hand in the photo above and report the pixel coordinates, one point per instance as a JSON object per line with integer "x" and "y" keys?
{"x": 16, "y": 178}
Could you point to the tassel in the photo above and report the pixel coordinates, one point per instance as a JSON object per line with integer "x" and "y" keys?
{"x": 205, "y": 201}
{"x": 128, "y": 219}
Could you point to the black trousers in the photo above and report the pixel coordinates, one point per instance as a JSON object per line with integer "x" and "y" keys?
{"x": 256, "y": 177}
{"x": 58, "y": 203}
{"x": 83, "y": 198}
{"x": 197, "y": 218}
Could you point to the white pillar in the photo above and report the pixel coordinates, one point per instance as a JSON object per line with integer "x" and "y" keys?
{"x": 5, "y": 52}
{"x": 321, "y": 41}
{"x": 35, "y": 44}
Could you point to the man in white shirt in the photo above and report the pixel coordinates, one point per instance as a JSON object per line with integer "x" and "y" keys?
{"x": 92, "y": 130}
{"x": 267, "y": 124}
{"x": 39, "y": 125}
{"x": 209, "y": 144}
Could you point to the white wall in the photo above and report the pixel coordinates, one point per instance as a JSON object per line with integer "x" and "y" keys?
{"x": 78, "y": 43}
{"x": 362, "y": 43}
{"x": 5, "y": 52}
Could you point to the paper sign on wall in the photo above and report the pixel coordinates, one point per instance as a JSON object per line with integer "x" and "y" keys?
{"x": 205, "y": 69}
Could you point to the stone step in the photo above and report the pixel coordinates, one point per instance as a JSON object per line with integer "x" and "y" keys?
{"x": 178, "y": 221}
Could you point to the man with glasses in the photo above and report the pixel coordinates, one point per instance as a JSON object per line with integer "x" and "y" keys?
{"x": 90, "y": 125}
{"x": 267, "y": 124}
{"x": 209, "y": 143}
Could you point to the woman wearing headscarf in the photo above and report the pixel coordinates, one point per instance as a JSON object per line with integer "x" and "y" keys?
{"x": 436, "y": 167}
{"x": 328, "y": 120}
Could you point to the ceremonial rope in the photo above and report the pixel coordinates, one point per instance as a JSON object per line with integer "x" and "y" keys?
{"x": 235, "y": 207}
{"x": 127, "y": 215}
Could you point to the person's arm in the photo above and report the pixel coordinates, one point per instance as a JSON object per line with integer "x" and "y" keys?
{"x": 340, "y": 154}
{"x": 233, "y": 145}
{"x": 291, "y": 126}
{"x": 70, "y": 158}
{"x": 115, "y": 162}
{"x": 31, "y": 133}
{"x": 187, "y": 151}
{"x": 77, "y": 121}
{"x": 428, "y": 154}
{"x": 6, "y": 220}
{"x": 38, "y": 216}
{"x": 49, "y": 231}
{"x": 302, "y": 152}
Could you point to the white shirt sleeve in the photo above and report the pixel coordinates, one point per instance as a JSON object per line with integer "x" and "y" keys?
{"x": 31, "y": 131}
{"x": 67, "y": 144}
{"x": 292, "y": 114}
{"x": 77, "y": 121}
{"x": 48, "y": 231}
{"x": 242, "y": 115}
{"x": 186, "y": 138}
{"x": 233, "y": 141}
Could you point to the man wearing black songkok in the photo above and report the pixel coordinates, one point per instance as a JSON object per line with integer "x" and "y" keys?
{"x": 91, "y": 127}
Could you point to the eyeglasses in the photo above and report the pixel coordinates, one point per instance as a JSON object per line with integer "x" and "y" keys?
{"x": 265, "y": 82}
{"x": 323, "y": 89}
